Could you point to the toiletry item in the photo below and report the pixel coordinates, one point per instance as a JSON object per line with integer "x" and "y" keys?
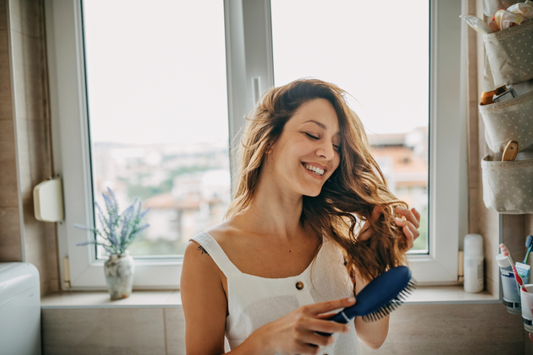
{"x": 505, "y": 19}
{"x": 473, "y": 263}
{"x": 526, "y": 299}
{"x": 523, "y": 271}
{"x": 380, "y": 297}
{"x": 506, "y": 253}
{"x": 511, "y": 297}
{"x": 487, "y": 96}
{"x": 477, "y": 24}
{"x": 510, "y": 151}
{"x": 523, "y": 9}
{"x": 508, "y": 94}
{"x": 529, "y": 246}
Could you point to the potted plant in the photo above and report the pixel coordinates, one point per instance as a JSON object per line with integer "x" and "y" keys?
{"x": 117, "y": 232}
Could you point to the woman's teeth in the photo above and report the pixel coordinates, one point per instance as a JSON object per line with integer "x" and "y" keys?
{"x": 314, "y": 169}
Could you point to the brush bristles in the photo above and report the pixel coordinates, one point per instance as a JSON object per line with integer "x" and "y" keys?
{"x": 392, "y": 305}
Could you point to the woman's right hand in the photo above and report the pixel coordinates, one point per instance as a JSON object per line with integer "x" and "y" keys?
{"x": 295, "y": 333}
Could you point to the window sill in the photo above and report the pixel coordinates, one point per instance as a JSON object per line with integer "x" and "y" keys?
{"x": 101, "y": 299}
{"x": 171, "y": 299}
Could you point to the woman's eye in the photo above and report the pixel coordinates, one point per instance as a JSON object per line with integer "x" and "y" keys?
{"x": 336, "y": 147}
{"x": 311, "y": 136}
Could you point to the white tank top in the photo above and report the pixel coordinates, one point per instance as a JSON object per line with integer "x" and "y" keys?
{"x": 254, "y": 301}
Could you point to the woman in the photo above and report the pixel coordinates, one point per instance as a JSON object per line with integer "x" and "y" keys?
{"x": 312, "y": 222}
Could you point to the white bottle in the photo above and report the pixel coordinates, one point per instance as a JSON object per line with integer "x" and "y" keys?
{"x": 473, "y": 263}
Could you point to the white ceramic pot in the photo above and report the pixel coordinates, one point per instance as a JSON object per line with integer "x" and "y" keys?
{"x": 119, "y": 271}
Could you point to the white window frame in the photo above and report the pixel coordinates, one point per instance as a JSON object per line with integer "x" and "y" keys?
{"x": 249, "y": 67}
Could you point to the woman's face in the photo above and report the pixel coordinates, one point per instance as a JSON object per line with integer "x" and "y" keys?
{"x": 306, "y": 153}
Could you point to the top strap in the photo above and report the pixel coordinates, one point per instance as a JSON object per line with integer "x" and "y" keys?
{"x": 217, "y": 254}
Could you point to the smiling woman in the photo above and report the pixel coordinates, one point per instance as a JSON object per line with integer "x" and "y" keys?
{"x": 312, "y": 222}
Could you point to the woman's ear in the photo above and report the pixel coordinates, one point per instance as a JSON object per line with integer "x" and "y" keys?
{"x": 269, "y": 150}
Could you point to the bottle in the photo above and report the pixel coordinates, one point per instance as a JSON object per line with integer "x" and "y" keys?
{"x": 473, "y": 263}
{"x": 511, "y": 295}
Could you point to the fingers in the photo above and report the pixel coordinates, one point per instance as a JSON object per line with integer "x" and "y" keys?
{"x": 328, "y": 306}
{"x": 409, "y": 215}
{"x": 317, "y": 339}
{"x": 377, "y": 212}
{"x": 326, "y": 326}
{"x": 417, "y": 215}
{"x": 410, "y": 232}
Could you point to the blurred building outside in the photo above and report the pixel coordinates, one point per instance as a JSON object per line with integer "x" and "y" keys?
{"x": 188, "y": 188}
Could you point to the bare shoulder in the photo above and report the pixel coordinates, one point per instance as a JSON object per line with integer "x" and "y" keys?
{"x": 222, "y": 231}
{"x": 198, "y": 258}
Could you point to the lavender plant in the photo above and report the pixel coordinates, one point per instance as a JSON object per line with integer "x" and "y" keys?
{"x": 118, "y": 230}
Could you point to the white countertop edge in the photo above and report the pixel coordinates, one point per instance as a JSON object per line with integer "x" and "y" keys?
{"x": 427, "y": 295}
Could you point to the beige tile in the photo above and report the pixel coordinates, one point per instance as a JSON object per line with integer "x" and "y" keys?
{"x": 6, "y": 108}
{"x": 8, "y": 182}
{"x": 175, "y": 331}
{"x": 3, "y": 15}
{"x": 10, "y": 240}
{"x": 452, "y": 329}
{"x": 28, "y": 71}
{"x": 103, "y": 331}
{"x": 528, "y": 225}
{"x": 26, "y": 16}
{"x": 54, "y": 286}
{"x": 514, "y": 235}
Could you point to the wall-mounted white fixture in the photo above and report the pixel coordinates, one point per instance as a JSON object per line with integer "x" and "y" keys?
{"x": 48, "y": 201}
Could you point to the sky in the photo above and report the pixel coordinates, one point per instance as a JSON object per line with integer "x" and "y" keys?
{"x": 156, "y": 70}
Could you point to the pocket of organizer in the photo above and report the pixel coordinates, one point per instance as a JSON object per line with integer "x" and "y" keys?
{"x": 510, "y": 53}
{"x": 508, "y": 185}
{"x": 509, "y": 120}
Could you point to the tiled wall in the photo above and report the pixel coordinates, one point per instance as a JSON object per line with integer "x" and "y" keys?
{"x": 25, "y": 157}
{"x": 10, "y": 240}
{"x": 454, "y": 329}
{"x": 114, "y": 331}
{"x": 414, "y": 330}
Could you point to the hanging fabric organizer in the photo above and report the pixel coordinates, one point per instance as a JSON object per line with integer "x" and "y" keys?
{"x": 509, "y": 120}
{"x": 510, "y": 53}
{"x": 508, "y": 185}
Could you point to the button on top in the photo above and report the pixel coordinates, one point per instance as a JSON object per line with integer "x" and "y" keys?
{"x": 299, "y": 285}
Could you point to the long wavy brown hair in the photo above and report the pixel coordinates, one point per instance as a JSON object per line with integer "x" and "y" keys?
{"x": 347, "y": 199}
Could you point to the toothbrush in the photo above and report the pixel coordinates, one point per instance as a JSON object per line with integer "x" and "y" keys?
{"x": 529, "y": 246}
{"x": 506, "y": 253}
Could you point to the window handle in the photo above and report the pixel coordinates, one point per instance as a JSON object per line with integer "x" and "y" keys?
{"x": 256, "y": 88}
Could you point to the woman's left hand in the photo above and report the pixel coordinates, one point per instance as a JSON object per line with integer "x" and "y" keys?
{"x": 409, "y": 225}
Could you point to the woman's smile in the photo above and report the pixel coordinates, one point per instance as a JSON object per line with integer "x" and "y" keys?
{"x": 314, "y": 171}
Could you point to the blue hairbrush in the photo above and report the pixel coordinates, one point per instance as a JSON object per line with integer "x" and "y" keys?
{"x": 380, "y": 297}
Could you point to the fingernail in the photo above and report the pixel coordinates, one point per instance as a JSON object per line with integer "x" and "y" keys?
{"x": 398, "y": 219}
{"x": 400, "y": 208}
{"x": 351, "y": 299}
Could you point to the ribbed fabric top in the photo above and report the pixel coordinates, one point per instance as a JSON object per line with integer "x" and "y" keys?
{"x": 254, "y": 301}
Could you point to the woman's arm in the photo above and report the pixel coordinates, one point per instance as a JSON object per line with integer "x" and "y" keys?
{"x": 204, "y": 302}
{"x": 372, "y": 334}
{"x": 205, "y": 306}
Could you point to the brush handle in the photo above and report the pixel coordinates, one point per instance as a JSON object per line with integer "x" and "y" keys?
{"x": 527, "y": 254}
{"x": 519, "y": 279}
{"x": 339, "y": 318}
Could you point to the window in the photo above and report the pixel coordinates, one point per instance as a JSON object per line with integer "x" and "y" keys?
{"x": 230, "y": 54}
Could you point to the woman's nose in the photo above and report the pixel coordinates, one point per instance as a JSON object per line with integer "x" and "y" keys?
{"x": 326, "y": 151}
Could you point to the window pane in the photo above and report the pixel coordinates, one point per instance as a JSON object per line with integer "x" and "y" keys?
{"x": 380, "y": 55}
{"x": 156, "y": 84}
